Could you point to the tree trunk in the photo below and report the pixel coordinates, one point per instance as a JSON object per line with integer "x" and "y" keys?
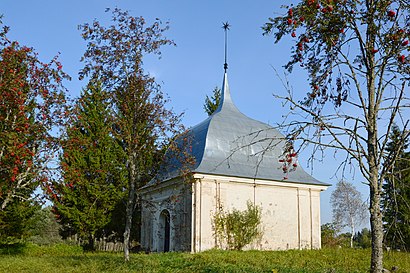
{"x": 376, "y": 263}
{"x": 91, "y": 246}
{"x": 352, "y": 234}
{"x": 129, "y": 209}
{"x": 376, "y": 224}
{"x": 5, "y": 202}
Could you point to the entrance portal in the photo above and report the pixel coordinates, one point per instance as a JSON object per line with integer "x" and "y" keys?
{"x": 165, "y": 230}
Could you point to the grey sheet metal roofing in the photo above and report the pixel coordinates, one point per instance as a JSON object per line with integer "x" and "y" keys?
{"x": 229, "y": 143}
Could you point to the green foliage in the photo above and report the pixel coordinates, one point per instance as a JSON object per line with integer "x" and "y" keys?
{"x": 62, "y": 258}
{"x": 92, "y": 165}
{"x": 396, "y": 195}
{"x": 212, "y": 103}
{"x": 331, "y": 238}
{"x": 345, "y": 239}
{"x": 114, "y": 230}
{"x": 16, "y": 220}
{"x": 329, "y": 235}
{"x": 141, "y": 122}
{"x": 44, "y": 229}
{"x": 34, "y": 250}
{"x": 363, "y": 239}
{"x": 237, "y": 229}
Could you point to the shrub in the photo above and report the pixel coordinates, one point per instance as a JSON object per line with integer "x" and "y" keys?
{"x": 237, "y": 229}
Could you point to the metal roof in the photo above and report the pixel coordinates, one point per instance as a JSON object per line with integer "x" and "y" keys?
{"x": 229, "y": 143}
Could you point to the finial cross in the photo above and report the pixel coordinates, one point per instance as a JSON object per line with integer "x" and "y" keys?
{"x": 226, "y": 27}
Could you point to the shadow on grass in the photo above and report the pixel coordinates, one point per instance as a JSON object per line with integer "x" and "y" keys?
{"x": 12, "y": 249}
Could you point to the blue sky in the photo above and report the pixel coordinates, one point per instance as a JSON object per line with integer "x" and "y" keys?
{"x": 189, "y": 71}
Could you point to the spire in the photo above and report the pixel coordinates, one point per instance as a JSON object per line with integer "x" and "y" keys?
{"x": 225, "y": 94}
{"x": 226, "y": 101}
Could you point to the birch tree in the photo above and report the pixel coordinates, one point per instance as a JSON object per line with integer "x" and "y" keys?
{"x": 348, "y": 207}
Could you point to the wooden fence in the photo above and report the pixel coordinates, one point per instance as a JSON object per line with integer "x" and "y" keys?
{"x": 102, "y": 245}
{"x": 99, "y": 244}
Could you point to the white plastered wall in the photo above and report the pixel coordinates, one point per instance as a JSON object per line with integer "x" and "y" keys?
{"x": 290, "y": 211}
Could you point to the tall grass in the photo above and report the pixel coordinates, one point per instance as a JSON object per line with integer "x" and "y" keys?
{"x": 63, "y": 258}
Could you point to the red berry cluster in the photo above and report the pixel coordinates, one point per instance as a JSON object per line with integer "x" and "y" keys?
{"x": 288, "y": 159}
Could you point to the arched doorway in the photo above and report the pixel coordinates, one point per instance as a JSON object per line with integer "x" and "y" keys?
{"x": 165, "y": 230}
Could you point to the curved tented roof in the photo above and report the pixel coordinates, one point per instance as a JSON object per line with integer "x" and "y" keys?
{"x": 229, "y": 143}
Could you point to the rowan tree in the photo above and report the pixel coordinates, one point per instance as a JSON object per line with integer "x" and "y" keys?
{"x": 32, "y": 104}
{"x": 396, "y": 195}
{"x": 93, "y": 168}
{"x": 212, "y": 103}
{"x": 348, "y": 208}
{"x": 356, "y": 57}
{"x": 114, "y": 56}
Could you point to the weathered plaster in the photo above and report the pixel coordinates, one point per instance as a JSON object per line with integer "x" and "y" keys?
{"x": 290, "y": 212}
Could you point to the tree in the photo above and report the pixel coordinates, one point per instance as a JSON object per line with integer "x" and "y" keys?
{"x": 92, "y": 165}
{"x": 44, "y": 228}
{"x": 211, "y": 104}
{"x": 348, "y": 207}
{"x": 15, "y": 220}
{"x": 363, "y": 238}
{"x": 329, "y": 235}
{"x": 396, "y": 195}
{"x": 114, "y": 56}
{"x": 354, "y": 53}
{"x": 32, "y": 104}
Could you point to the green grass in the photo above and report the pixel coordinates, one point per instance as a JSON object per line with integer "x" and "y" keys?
{"x": 64, "y": 258}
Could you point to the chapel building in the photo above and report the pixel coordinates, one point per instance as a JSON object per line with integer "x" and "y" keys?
{"x": 237, "y": 160}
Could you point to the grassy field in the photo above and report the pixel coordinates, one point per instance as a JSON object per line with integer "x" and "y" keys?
{"x": 63, "y": 258}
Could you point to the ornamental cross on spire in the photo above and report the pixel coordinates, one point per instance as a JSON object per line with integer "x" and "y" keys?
{"x": 226, "y": 27}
